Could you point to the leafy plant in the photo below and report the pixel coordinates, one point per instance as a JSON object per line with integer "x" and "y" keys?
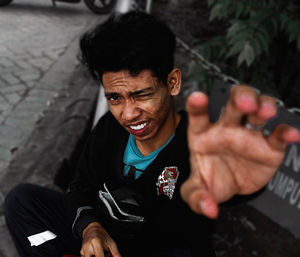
{"x": 259, "y": 34}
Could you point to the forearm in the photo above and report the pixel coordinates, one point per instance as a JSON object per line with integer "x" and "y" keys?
{"x": 80, "y": 211}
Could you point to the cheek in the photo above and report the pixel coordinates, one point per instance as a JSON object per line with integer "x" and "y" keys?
{"x": 159, "y": 104}
{"x": 153, "y": 108}
{"x": 115, "y": 111}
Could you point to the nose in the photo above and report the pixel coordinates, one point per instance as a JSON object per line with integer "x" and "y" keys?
{"x": 131, "y": 111}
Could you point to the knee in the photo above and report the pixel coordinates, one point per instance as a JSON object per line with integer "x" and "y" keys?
{"x": 17, "y": 198}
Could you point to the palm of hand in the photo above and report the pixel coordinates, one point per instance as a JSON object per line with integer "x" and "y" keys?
{"x": 232, "y": 160}
{"x": 227, "y": 159}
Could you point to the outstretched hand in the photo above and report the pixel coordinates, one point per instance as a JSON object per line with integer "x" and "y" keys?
{"x": 226, "y": 157}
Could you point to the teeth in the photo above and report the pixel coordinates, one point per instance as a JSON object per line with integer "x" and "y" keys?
{"x": 138, "y": 127}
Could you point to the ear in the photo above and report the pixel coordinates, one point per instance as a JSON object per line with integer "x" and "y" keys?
{"x": 174, "y": 82}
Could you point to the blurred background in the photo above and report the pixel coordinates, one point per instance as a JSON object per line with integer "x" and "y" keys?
{"x": 48, "y": 100}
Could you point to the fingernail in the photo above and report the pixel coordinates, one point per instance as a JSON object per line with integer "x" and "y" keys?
{"x": 268, "y": 108}
{"x": 292, "y": 136}
{"x": 202, "y": 205}
{"x": 247, "y": 97}
{"x": 295, "y": 132}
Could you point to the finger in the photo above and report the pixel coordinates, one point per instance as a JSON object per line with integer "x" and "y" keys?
{"x": 266, "y": 110}
{"x": 87, "y": 252}
{"x": 282, "y": 136}
{"x": 98, "y": 250}
{"x": 197, "y": 108}
{"x": 93, "y": 248}
{"x": 243, "y": 100}
{"x": 195, "y": 194}
{"x": 114, "y": 250}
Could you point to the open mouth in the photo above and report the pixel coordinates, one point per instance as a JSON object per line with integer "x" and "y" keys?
{"x": 138, "y": 128}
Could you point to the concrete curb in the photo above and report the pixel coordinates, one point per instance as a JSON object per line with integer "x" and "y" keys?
{"x": 61, "y": 122}
{"x": 57, "y": 129}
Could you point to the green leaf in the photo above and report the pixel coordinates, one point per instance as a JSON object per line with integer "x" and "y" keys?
{"x": 239, "y": 9}
{"x": 236, "y": 48}
{"x": 263, "y": 41}
{"x": 294, "y": 30}
{"x": 210, "y": 2}
{"x": 283, "y": 20}
{"x": 256, "y": 46}
{"x": 298, "y": 42}
{"x": 233, "y": 29}
{"x": 242, "y": 36}
{"x": 247, "y": 9}
{"x": 247, "y": 55}
{"x": 216, "y": 12}
{"x": 272, "y": 25}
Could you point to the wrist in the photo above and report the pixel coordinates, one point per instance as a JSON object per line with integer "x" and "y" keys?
{"x": 90, "y": 227}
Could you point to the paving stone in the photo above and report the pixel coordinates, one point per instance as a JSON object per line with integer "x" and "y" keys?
{"x": 4, "y": 105}
{"x": 7, "y": 248}
{"x": 30, "y": 84}
{"x": 5, "y": 62}
{"x": 32, "y": 74}
{"x": 2, "y": 197}
{"x": 13, "y": 98}
{"x": 23, "y": 64}
{"x": 10, "y": 79}
{"x": 42, "y": 99}
{"x": 8, "y": 132}
{"x": 13, "y": 88}
{"x": 3, "y": 166}
{"x": 42, "y": 63}
{"x": 31, "y": 106}
{"x": 46, "y": 93}
{"x": 16, "y": 122}
{"x": 5, "y": 154}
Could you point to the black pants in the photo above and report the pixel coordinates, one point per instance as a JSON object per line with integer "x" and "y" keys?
{"x": 31, "y": 209}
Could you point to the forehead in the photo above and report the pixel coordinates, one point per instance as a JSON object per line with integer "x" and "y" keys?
{"x": 123, "y": 80}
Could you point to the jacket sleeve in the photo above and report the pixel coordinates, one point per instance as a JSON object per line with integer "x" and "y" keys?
{"x": 81, "y": 196}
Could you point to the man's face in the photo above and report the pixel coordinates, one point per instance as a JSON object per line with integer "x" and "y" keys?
{"x": 141, "y": 104}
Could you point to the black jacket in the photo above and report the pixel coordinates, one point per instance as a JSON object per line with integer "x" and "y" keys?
{"x": 169, "y": 221}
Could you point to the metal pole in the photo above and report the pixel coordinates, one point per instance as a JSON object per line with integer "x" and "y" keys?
{"x": 148, "y": 6}
{"x": 123, "y": 6}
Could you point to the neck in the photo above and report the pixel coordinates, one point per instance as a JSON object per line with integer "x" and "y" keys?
{"x": 165, "y": 133}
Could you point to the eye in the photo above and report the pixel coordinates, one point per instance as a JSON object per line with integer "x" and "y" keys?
{"x": 113, "y": 98}
{"x": 144, "y": 96}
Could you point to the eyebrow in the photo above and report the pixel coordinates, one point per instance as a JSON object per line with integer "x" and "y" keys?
{"x": 110, "y": 94}
{"x": 142, "y": 91}
{"x": 134, "y": 93}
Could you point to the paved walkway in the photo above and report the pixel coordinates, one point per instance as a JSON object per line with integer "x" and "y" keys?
{"x": 42, "y": 98}
{"x": 33, "y": 37}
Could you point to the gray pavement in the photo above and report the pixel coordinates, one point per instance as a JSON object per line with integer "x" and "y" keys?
{"x": 46, "y": 97}
{"x": 33, "y": 36}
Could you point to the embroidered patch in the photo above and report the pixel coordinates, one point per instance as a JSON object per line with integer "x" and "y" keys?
{"x": 167, "y": 180}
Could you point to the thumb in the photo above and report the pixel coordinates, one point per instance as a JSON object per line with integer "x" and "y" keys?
{"x": 197, "y": 108}
{"x": 195, "y": 193}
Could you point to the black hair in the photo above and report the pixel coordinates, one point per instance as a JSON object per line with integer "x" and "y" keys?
{"x": 134, "y": 41}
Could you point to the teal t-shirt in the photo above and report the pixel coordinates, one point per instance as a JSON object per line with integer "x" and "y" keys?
{"x": 135, "y": 163}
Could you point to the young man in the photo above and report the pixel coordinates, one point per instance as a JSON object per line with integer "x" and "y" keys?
{"x": 149, "y": 178}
